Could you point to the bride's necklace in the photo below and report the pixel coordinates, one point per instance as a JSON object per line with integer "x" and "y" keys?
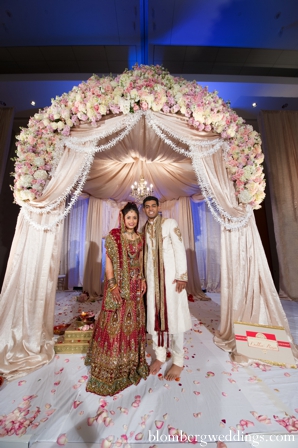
{"x": 130, "y": 235}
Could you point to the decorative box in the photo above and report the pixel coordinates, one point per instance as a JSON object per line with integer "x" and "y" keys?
{"x": 74, "y": 340}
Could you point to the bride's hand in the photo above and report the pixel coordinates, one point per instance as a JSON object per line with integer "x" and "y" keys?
{"x": 143, "y": 286}
{"x": 116, "y": 295}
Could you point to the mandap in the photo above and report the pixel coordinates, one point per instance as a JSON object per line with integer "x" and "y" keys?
{"x": 97, "y": 139}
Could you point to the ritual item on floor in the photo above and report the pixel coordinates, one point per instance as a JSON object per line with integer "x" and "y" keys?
{"x": 265, "y": 343}
{"x": 60, "y": 329}
{"x": 85, "y": 318}
{"x": 77, "y": 336}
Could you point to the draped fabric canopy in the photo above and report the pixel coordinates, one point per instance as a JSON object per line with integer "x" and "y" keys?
{"x": 141, "y": 152}
{"x": 104, "y": 161}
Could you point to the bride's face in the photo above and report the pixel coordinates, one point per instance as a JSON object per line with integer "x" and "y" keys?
{"x": 131, "y": 220}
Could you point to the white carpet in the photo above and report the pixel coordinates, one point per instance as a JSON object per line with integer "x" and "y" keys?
{"x": 214, "y": 398}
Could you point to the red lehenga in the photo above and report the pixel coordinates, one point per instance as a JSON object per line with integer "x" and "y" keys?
{"x": 117, "y": 349}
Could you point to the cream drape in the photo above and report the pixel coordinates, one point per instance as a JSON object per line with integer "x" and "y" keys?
{"x": 28, "y": 293}
{"x": 28, "y": 298}
{"x": 93, "y": 248}
{"x": 247, "y": 289}
{"x": 64, "y": 251}
{"x": 279, "y": 130}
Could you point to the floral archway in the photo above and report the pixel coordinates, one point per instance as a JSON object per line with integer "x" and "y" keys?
{"x": 140, "y": 89}
{"x": 57, "y": 155}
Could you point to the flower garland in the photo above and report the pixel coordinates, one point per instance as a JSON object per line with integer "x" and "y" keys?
{"x": 142, "y": 88}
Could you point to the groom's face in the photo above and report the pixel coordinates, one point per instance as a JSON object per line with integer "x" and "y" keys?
{"x": 151, "y": 209}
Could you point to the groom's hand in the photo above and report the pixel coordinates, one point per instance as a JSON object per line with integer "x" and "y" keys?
{"x": 180, "y": 285}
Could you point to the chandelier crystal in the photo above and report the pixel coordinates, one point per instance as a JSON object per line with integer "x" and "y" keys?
{"x": 140, "y": 190}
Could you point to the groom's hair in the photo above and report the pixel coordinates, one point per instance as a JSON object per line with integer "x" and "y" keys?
{"x": 150, "y": 198}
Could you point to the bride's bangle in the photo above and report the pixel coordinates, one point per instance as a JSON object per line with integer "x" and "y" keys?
{"x": 114, "y": 287}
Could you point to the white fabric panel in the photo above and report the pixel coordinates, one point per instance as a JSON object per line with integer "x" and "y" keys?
{"x": 207, "y": 244}
{"x": 76, "y": 247}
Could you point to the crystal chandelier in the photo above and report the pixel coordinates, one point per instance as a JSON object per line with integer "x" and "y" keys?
{"x": 140, "y": 190}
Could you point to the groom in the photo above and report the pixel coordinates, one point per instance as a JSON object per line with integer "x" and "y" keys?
{"x": 168, "y": 315}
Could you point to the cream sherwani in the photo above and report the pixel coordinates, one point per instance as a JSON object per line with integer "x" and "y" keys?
{"x": 175, "y": 268}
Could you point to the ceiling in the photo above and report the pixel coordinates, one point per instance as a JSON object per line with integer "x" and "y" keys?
{"x": 247, "y": 50}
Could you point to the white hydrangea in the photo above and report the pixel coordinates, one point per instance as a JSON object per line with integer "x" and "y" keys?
{"x": 40, "y": 174}
{"x": 25, "y": 195}
{"x": 25, "y": 180}
{"x": 124, "y": 106}
{"x": 38, "y": 161}
{"x": 245, "y": 197}
{"x": 248, "y": 172}
{"x": 38, "y": 187}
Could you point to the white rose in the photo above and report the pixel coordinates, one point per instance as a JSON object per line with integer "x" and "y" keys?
{"x": 69, "y": 123}
{"x": 117, "y": 99}
{"x": 119, "y": 91}
{"x": 56, "y": 116}
{"x": 198, "y": 116}
{"x": 46, "y": 121}
{"x": 60, "y": 125}
{"x": 65, "y": 113}
{"x": 134, "y": 94}
{"x": 231, "y": 132}
{"x": 54, "y": 126}
{"x": 102, "y": 109}
{"x": 22, "y": 137}
{"x": 156, "y": 107}
{"x": 40, "y": 174}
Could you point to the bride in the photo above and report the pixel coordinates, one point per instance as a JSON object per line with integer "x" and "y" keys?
{"x": 117, "y": 348}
